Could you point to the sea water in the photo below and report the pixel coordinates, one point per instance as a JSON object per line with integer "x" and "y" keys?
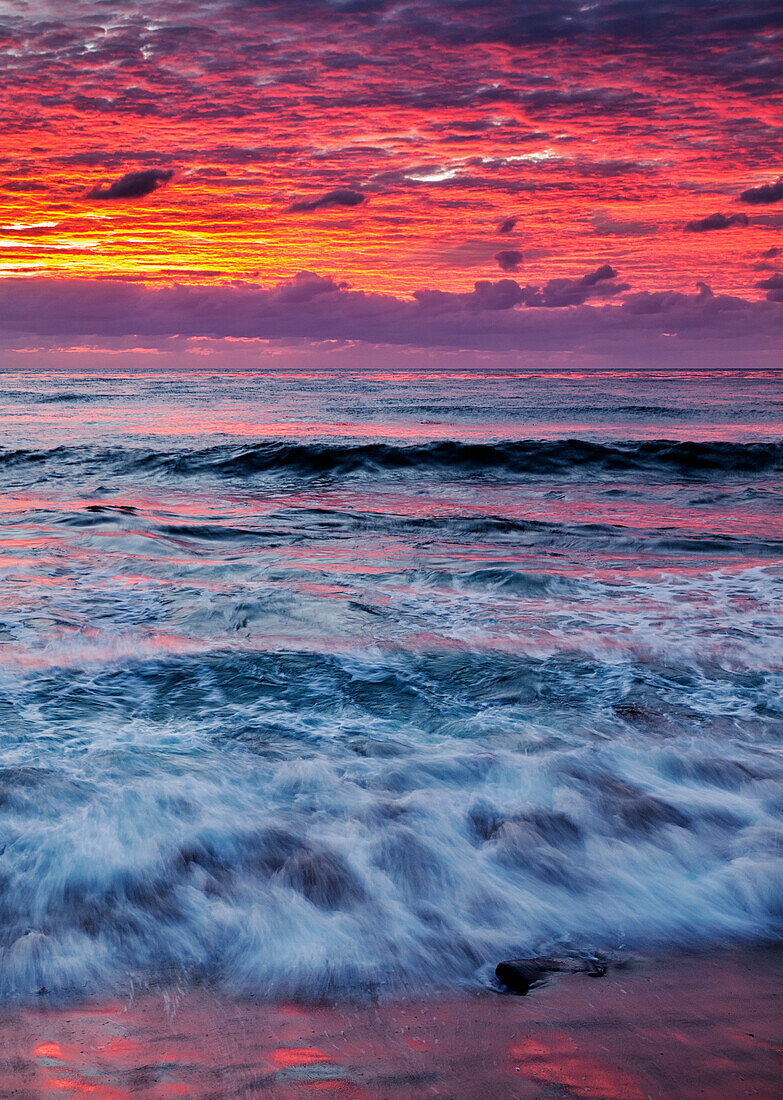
{"x": 348, "y": 681}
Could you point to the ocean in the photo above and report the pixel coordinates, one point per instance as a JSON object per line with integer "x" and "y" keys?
{"x": 339, "y": 683}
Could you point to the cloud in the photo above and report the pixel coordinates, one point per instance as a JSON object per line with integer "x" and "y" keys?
{"x": 340, "y": 196}
{"x": 133, "y": 185}
{"x": 770, "y": 253}
{"x": 508, "y": 294}
{"x": 767, "y": 192}
{"x": 509, "y": 259}
{"x": 560, "y": 293}
{"x": 493, "y": 315}
{"x": 331, "y": 96}
{"x": 649, "y": 328}
{"x": 512, "y": 22}
{"x": 485, "y": 296}
{"x": 716, "y": 221}
{"x": 773, "y": 286}
{"x": 604, "y": 272}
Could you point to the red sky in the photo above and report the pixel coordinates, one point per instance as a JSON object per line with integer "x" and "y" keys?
{"x": 382, "y": 144}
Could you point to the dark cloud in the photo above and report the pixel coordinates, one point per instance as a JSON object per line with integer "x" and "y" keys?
{"x": 559, "y": 293}
{"x": 767, "y": 192}
{"x": 770, "y": 253}
{"x": 600, "y": 275}
{"x": 773, "y": 286}
{"x": 716, "y": 221}
{"x": 507, "y": 293}
{"x": 485, "y": 297}
{"x": 133, "y": 185}
{"x": 507, "y": 225}
{"x": 462, "y": 23}
{"x": 341, "y": 196}
{"x": 508, "y": 259}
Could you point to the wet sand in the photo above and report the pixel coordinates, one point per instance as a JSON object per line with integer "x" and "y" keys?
{"x": 685, "y": 1027}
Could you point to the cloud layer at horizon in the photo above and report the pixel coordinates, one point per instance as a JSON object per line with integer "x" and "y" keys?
{"x": 500, "y": 316}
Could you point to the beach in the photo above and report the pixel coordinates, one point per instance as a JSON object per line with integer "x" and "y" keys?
{"x": 704, "y": 1026}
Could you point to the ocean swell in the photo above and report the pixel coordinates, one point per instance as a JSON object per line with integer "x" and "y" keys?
{"x": 514, "y": 458}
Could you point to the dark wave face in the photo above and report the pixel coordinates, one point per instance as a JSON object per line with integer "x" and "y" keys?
{"x": 339, "y": 683}
{"x": 527, "y": 458}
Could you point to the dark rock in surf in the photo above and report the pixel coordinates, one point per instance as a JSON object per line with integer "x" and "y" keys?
{"x": 521, "y": 975}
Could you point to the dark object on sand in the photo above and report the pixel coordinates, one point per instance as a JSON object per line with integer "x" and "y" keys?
{"x": 520, "y": 975}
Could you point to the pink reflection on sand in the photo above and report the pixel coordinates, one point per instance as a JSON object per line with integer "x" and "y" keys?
{"x": 556, "y": 1061}
{"x": 700, "y": 1027}
{"x": 285, "y": 1057}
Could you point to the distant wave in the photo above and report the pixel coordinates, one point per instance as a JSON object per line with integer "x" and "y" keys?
{"x": 528, "y": 458}
{"x": 292, "y": 525}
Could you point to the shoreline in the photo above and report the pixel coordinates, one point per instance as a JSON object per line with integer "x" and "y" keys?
{"x": 707, "y": 1025}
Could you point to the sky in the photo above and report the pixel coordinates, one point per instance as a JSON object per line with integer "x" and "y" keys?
{"x": 497, "y": 176}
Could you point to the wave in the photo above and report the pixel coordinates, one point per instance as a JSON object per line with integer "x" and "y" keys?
{"x": 511, "y": 458}
{"x": 349, "y": 829}
{"x": 519, "y": 412}
{"x": 292, "y": 525}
